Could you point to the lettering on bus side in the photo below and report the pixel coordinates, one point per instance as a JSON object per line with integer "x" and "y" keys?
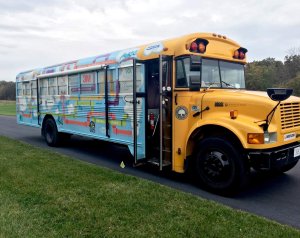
{"x": 219, "y": 104}
{"x": 126, "y": 54}
{"x": 153, "y": 48}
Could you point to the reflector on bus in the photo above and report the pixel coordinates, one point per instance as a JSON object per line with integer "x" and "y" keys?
{"x": 240, "y": 53}
{"x": 198, "y": 46}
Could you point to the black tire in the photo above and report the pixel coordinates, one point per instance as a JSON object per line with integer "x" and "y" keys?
{"x": 220, "y": 167}
{"x": 50, "y": 133}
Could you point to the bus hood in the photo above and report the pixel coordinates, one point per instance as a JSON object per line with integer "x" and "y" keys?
{"x": 252, "y": 104}
{"x": 230, "y": 97}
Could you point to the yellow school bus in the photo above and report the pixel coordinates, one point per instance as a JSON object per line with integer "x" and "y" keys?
{"x": 179, "y": 103}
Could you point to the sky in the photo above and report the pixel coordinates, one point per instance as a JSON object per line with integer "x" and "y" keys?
{"x": 38, "y": 33}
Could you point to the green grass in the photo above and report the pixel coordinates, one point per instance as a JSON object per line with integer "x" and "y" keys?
{"x": 45, "y": 194}
{"x": 7, "y": 108}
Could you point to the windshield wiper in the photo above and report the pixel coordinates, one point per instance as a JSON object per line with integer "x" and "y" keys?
{"x": 228, "y": 84}
{"x": 212, "y": 84}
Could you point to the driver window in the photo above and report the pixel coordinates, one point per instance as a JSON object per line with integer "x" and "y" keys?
{"x": 181, "y": 80}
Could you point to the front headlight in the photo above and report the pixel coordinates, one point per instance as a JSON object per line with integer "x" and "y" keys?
{"x": 262, "y": 138}
{"x": 270, "y": 137}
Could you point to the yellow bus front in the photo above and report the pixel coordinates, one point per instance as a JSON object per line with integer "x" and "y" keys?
{"x": 219, "y": 128}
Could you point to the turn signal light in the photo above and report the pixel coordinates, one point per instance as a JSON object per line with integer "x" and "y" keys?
{"x": 233, "y": 114}
{"x": 255, "y": 138}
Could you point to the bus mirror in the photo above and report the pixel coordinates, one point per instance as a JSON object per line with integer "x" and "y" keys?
{"x": 195, "y": 63}
{"x": 195, "y": 82}
{"x": 279, "y": 94}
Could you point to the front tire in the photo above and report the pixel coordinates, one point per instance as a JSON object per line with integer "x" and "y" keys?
{"x": 220, "y": 167}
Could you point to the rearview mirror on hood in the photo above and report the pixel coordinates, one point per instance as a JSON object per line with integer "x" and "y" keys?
{"x": 279, "y": 94}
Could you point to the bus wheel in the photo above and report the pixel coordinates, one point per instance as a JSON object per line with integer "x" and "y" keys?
{"x": 219, "y": 166}
{"x": 50, "y": 132}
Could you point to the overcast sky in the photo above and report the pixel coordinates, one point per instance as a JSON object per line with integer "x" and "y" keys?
{"x": 37, "y": 33}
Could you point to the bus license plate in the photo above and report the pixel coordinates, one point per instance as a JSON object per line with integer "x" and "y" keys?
{"x": 296, "y": 151}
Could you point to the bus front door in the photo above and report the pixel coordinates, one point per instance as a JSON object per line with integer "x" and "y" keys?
{"x": 159, "y": 111}
{"x": 165, "y": 110}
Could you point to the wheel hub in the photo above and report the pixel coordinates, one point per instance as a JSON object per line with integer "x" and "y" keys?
{"x": 216, "y": 166}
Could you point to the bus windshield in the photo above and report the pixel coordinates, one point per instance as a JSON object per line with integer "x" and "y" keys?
{"x": 221, "y": 74}
{"x": 214, "y": 74}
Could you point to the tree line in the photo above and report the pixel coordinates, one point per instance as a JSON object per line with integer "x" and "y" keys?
{"x": 260, "y": 75}
{"x": 7, "y": 90}
{"x": 269, "y": 72}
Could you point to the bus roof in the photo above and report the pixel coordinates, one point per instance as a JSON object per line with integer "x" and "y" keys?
{"x": 219, "y": 47}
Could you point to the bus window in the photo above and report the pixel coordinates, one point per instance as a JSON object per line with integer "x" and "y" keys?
{"x": 19, "y": 89}
{"x": 215, "y": 71}
{"x": 62, "y": 83}
{"x": 210, "y": 73}
{"x": 74, "y": 85}
{"x": 181, "y": 81}
{"x": 101, "y": 82}
{"x": 111, "y": 79}
{"x": 26, "y": 87}
{"x": 44, "y": 87}
{"x": 52, "y": 86}
{"x": 88, "y": 83}
{"x": 232, "y": 75}
{"x": 183, "y": 72}
{"x": 33, "y": 88}
{"x": 125, "y": 78}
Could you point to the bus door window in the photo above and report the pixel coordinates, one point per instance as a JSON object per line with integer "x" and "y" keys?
{"x": 153, "y": 102}
{"x": 153, "y": 91}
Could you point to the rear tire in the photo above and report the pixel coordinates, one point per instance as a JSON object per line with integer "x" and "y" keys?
{"x": 220, "y": 167}
{"x": 50, "y": 133}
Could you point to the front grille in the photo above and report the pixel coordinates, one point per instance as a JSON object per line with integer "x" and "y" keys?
{"x": 290, "y": 115}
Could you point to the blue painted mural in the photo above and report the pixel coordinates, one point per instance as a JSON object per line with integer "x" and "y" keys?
{"x": 77, "y": 101}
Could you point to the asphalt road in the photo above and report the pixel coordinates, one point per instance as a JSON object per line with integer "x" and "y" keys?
{"x": 276, "y": 198}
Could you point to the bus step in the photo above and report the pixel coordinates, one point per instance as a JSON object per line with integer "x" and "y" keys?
{"x": 155, "y": 161}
